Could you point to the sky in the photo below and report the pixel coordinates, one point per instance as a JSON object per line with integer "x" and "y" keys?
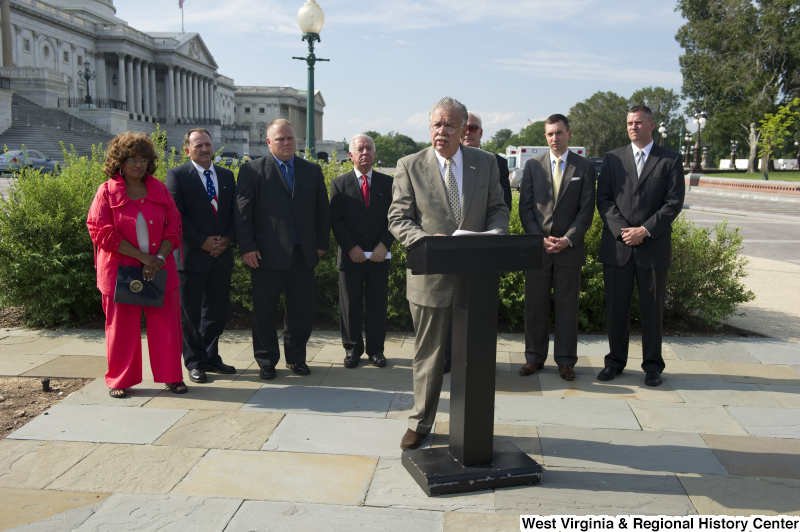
{"x": 509, "y": 61}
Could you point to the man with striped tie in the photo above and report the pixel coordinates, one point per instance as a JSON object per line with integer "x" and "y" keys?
{"x": 204, "y": 195}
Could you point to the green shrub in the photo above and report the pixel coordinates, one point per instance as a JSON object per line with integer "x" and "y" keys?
{"x": 705, "y": 281}
{"x": 46, "y": 258}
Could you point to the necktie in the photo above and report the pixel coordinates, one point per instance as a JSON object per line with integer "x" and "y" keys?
{"x": 640, "y": 164}
{"x": 556, "y": 178}
{"x": 365, "y": 191}
{"x": 452, "y": 191}
{"x": 212, "y": 192}
{"x": 286, "y": 170}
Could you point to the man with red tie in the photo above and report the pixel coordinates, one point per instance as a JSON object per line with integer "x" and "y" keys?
{"x": 204, "y": 195}
{"x": 360, "y": 202}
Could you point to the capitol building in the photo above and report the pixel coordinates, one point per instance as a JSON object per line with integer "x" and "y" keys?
{"x": 140, "y": 80}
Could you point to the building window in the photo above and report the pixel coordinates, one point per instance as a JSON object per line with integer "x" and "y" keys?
{"x": 66, "y": 56}
{"x": 247, "y": 110}
{"x": 80, "y": 60}
{"x": 46, "y": 52}
{"x": 261, "y": 110}
{"x": 26, "y": 45}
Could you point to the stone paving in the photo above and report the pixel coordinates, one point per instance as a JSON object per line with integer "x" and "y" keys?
{"x": 720, "y": 436}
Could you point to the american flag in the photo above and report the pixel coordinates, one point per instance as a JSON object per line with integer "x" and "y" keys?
{"x": 180, "y": 4}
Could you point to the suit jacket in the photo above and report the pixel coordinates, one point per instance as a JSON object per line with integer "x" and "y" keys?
{"x": 502, "y": 166}
{"x": 569, "y": 215}
{"x": 420, "y": 208}
{"x": 355, "y": 225}
{"x": 198, "y": 218}
{"x": 266, "y": 212}
{"x": 653, "y": 201}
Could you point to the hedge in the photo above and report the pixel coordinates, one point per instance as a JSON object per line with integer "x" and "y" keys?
{"x": 46, "y": 259}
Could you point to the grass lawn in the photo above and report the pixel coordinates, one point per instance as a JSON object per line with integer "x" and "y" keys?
{"x": 773, "y": 176}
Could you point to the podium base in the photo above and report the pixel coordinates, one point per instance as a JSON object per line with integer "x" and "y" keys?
{"x": 438, "y": 473}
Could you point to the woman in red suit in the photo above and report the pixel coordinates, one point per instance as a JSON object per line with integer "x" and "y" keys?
{"x": 133, "y": 221}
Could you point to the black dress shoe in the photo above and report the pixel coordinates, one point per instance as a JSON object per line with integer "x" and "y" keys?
{"x": 411, "y": 439}
{"x": 299, "y": 369}
{"x": 652, "y": 378}
{"x": 447, "y": 364}
{"x": 267, "y": 373}
{"x": 350, "y": 360}
{"x": 219, "y": 367}
{"x": 378, "y": 360}
{"x": 198, "y": 375}
{"x": 608, "y": 374}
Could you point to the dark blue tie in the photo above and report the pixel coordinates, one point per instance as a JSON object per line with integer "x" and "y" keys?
{"x": 286, "y": 170}
{"x": 210, "y": 185}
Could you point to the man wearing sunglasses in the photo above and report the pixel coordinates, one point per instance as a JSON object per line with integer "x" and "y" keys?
{"x": 472, "y": 138}
{"x": 436, "y": 191}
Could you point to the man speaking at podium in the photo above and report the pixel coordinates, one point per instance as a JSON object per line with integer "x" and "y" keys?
{"x": 437, "y": 191}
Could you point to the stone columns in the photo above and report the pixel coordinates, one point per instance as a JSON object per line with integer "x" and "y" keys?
{"x": 195, "y": 99}
{"x": 101, "y": 90}
{"x": 121, "y": 90}
{"x": 145, "y": 77}
{"x": 153, "y": 97}
{"x": 170, "y": 94}
{"x": 130, "y": 95}
{"x": 184, "y": 94}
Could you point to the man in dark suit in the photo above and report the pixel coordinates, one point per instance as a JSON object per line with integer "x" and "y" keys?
{"x": 556, "y": 200}
{"x": 203, "y": 193}
{"x": 639, "y": 194}
{"x": 360, "y": 202}
{"x": 283, "y": 227}
{"x": 435, "y": 192}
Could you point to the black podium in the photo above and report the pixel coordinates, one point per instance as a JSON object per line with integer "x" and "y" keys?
{"x": 470, "y": 463}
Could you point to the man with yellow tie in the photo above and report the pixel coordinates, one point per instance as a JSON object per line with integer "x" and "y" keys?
{"x": 556, "y": 200}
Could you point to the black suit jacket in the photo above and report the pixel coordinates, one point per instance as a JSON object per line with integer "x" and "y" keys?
{"x": 266, "y": 212}
{"x": 355, "y": 225}
{"x": 502, "y": 165}
{"x": 653, "y": 201}
{"x": 570, "y": 215}
{"x": 198, "y": 218}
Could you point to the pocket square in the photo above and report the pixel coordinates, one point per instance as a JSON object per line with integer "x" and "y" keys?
{"x": 575, "y": 179}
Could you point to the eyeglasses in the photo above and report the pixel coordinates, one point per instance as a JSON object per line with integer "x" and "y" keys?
{"x": 137, "y": 161}
{"x": 447, "y": 129}
{"x": 472, "y": 128}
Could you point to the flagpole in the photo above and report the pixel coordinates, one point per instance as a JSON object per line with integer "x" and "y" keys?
{"x": 182, "y": 19}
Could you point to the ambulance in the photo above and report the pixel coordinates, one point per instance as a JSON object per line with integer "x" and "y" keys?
{"x": 517, "y": 156}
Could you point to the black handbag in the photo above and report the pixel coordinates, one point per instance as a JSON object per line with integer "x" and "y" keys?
{"x": 132, "y": 289}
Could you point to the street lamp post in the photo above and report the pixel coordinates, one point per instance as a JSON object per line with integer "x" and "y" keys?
{"x": 662, "y": 128}
{"x": 310, "y": 18}
{"x": 686, "y": 148}
{"x": 796, "y": 143}
{"x": 86, "y": 75}
{"x": 700, "y": 118}
{"x": 734, "y": 145}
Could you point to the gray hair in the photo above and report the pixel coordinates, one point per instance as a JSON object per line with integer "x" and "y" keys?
{"x": 360, "y": 136}
{"x": 450, "y": 104}
{"x": 477, "y": 119}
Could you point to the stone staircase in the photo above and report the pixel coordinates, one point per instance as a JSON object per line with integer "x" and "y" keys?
{"x": 44, "y": 129}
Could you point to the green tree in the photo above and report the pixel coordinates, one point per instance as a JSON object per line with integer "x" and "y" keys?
{"x": 530, "y": 135}
{"x": 598, "y": 123}
{"x": 741, "y": 60}
{"x": 775, "y": 128}
{"x": 498, "y": 142}
{"x": 665, "y": 105}
{"x": 392, "y": 146}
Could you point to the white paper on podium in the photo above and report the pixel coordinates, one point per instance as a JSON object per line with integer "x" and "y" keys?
{"x": 368, "y": 254}
{"x": 462, "y": 232}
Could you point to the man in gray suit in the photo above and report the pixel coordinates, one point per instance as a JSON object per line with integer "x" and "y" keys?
{"x": 437, "y": 191}
{"x": 556, "y": 200}
{"x": 640, "y": 192}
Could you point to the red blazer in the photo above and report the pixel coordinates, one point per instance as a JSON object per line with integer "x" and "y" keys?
{"x": 112, "y": 218}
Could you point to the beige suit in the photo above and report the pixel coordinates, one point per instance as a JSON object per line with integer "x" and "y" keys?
{"x": 420, "y": 208}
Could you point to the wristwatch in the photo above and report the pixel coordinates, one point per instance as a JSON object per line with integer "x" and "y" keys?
{"x": 160, "y": 256}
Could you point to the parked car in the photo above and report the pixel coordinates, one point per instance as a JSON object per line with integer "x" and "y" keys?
{"x": 15, "y": 160}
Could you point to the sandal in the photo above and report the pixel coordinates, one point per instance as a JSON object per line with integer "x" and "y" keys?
{"x": 117, "y": 393}
{"x": 177, "y": 387}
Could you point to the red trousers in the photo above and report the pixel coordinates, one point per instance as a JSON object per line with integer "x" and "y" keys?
{"x": 124, "y": 341}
